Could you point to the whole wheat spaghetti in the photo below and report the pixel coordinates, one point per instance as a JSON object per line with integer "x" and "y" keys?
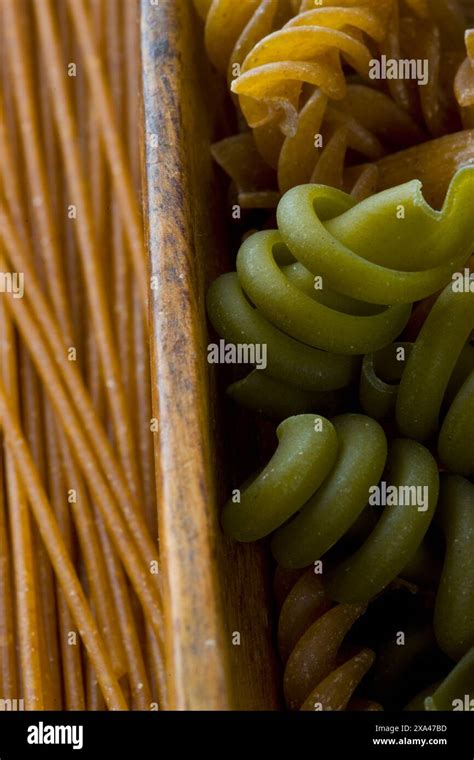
{"x": 80, "y": 596}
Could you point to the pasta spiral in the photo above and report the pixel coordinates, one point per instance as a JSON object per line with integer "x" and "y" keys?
{"x": 308, "y": 49}
{"x": 314, "y": 491}
{"x": 329, "y": 293}
{"x": 431, "y": 362}
{"x": 319, "y": 673}
{"x": 464, "y": 82}
{"x": 436, "y": 379}
{"x": 322, "y": 670}
{"x": 370, "y": 119}
{"x": 457, "y": 685}
{"x": 314, "y": 336}
{"x": 233, "y": 29}
{"x": 319, "y": 464}
{"x": 454, "y": 611}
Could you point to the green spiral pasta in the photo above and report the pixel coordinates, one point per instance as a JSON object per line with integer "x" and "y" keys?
{"x": 323, "y": 474}
{"x": 392, "y": 248}
{"x": 298, "y": 314}
{"x": 398, "y": 533}
{"x": 430, "y": 383}
{"x": 337, "y": 282}
{"x": 273, "y": 398}
{"x": 334, "y": 507}
{"x": 380, "y": 377}
{"x": 236, "y": 321}
{"x": 454, "y": 611}
{"x": 440, "y": 346}
{"x": 457, "y": 686}
{"x": 329, "y": 293}
{"x": 306, "y": 453}
{"x": 382, "y": 371}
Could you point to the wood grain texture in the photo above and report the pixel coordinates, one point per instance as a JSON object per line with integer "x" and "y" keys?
{"x": 212, "y": 587}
